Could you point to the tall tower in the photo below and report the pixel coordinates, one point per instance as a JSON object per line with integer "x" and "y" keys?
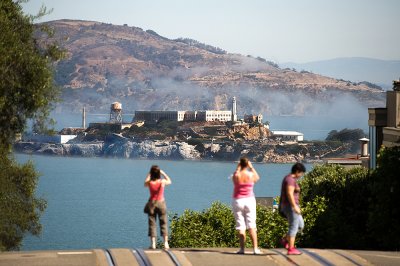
{"x": 234, "y": 110}
{"x": 84, "y": 118}
{"x": 116, "y": 113}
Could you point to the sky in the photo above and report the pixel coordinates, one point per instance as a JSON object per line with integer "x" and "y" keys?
{"x": 278, "y": 30}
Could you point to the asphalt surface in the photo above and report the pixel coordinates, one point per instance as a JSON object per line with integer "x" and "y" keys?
{"x": 196, "y": 256}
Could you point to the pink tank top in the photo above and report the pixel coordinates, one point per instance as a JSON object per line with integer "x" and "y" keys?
{"x": 243, "y": 190}
{"x": 156, "y": 191}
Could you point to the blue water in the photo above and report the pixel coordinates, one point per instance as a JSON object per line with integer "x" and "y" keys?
{"x": 98, "y": 203}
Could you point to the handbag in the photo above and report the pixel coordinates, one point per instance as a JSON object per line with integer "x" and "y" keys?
{"x": 151, "y": 204}
{"x": 149, "y": 207}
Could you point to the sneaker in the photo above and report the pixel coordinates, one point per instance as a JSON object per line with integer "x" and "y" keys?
{"x": 257, "y": 251}
{"x": 285, "y": 243}
{"x": 293, "y": 251}
{"x": 240, "y": 252}
{"x": 166, "y": 245}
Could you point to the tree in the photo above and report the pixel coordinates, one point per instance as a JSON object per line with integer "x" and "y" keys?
{"x": 20, "y": 209}
{"x": 384, "y": 209}
{"x": 343, "y": 223}
{"x": 346, "y": 135}
{"x": 26, "y": 92}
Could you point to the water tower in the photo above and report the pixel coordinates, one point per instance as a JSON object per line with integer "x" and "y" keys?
{"x": 116, "y": 113}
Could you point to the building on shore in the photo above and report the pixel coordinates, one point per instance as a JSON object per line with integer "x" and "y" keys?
{"x": 162, "y": 115}
{"x": 211, "y": 115}
{"x": 384, "y": 130}
{"x": 206, "y": 115}
{"x": 288, "y": 136}
{"x": 351, "y": 161}
{"x": 107, "y": 126}
{"x": 384, "y": 124}
{"x": 57, "y": 139}
{"x": 253, "y": 118}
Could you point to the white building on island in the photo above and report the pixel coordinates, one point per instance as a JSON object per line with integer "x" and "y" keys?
{"x": 288, "y": 135}
{"x": 207, "y": 115}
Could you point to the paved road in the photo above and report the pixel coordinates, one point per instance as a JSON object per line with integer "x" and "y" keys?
{"x": 196, "y": 256}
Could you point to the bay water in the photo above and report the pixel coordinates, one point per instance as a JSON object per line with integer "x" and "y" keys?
{"x": 98, "y": 202}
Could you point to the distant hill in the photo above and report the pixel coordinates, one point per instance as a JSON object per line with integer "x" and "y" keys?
{"x": 146, "y": 71}
{"x": 356, "y": 69}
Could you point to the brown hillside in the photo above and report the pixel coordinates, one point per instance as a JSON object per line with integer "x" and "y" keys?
{"x": 143, "y": 70}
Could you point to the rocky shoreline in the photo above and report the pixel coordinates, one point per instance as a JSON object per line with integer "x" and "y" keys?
{"x": 175, "y": 150}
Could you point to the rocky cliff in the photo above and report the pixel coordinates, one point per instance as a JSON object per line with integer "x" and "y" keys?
{"x": 120, "y": 149}
{"x": 271, "y": 153}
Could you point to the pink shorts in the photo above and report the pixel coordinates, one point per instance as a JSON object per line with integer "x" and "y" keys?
{"x": 244, "y": 210}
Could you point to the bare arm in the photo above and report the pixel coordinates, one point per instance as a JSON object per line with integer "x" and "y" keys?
{"x": 167, "y": 180}
{"x": 147, "y": 180}
{"x": 290, "y": 196}
{"x": 256, "y": 177}
{"x": 235, "y": 175}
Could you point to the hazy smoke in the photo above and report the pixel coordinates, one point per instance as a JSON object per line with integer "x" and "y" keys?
{"x": 327, "y": 110}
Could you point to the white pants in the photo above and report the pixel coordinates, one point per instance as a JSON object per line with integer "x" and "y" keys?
{"x": 244, "y": 210}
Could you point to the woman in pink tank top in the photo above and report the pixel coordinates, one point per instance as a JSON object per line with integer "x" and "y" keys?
{"x": 244, "y": 203}
{"x": 156, "y": 187}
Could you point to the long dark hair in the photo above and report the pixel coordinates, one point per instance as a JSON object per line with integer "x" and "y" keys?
{"x": 244, "y": 162}
{"x": 155, "y": 173}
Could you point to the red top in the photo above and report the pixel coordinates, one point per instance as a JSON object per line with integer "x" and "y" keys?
{"x": 243, "y": 190}
{"x": 156, "y": 190}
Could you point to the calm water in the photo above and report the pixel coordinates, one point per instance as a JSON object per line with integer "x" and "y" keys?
{"x": 98, "y": 203}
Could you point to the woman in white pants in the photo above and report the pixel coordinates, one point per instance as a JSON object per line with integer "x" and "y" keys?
{"x": 244, "y": 203}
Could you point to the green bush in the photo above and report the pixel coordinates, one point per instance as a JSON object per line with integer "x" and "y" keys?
{"x": 270, "y": 228}
{"x": 342, "y": 224}
{"x": 384, "y": 212}
{"x": 310, "y": 211}
{"x": 362, "y": 207}
{"x": 215, "y": 226}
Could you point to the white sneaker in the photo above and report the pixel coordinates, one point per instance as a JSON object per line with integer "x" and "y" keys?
{"x": 257, "y": 251}
{"x": 152, "y": 243}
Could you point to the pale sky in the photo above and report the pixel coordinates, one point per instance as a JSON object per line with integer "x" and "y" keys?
{"x": 278, "y": 30}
